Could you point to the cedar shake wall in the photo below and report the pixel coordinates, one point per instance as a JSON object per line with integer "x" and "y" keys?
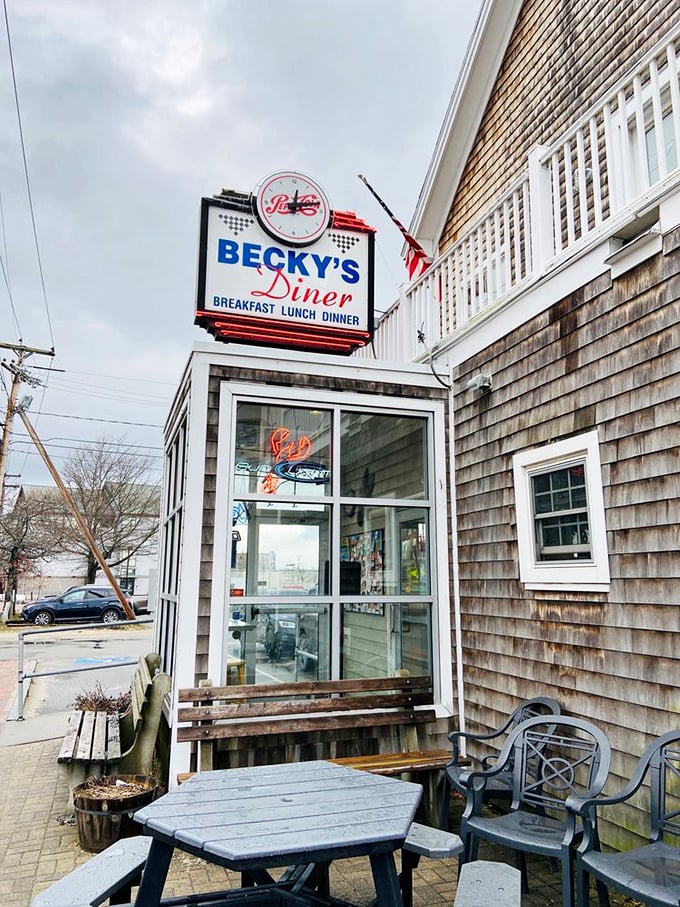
{"x": 562, "y": 57}
{"x": 607, "y": 358}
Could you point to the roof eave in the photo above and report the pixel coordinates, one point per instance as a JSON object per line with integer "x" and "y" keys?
{"x": 471, "y": 93}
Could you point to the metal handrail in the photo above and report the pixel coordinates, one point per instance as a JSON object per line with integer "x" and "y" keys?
{"x": 21, "y": 676}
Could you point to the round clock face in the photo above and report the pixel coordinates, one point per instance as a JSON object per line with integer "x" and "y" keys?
{"x": 292, "y": 207}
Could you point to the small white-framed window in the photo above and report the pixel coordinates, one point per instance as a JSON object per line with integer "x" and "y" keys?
{"x": 561, "y": 531}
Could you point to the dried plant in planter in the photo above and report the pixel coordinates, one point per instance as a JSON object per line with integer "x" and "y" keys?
{"x": 97, "y": 700}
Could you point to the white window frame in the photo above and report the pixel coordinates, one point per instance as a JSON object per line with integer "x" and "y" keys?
{"x": 579, "y": 576}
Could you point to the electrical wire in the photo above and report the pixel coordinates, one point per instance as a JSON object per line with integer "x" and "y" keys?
{"x": 28, "y": 182}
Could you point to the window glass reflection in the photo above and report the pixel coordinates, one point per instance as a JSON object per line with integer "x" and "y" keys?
{"x": 382, "y": 456}
{"x": 278, "y": 549}
{"x": 385, "y": 551}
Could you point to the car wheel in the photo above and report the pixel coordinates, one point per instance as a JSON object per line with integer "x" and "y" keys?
{"x": 304, "y": 662}
{"x": 43, "y": 618}
{"x": 110, "y": 616}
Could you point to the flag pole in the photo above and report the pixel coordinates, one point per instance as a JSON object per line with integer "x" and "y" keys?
{"x": 418, "y": 260}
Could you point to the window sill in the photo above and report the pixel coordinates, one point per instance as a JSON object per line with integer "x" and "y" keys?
{"x": 567, "y": 587}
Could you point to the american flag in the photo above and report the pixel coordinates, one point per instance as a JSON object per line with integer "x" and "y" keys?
{"x": 417, "y": 260}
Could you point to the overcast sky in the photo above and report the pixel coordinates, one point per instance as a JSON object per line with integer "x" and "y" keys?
{"x": 131, "y": 112}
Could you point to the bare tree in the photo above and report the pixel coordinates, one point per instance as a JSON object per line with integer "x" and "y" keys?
{"x": 110, "y": 486}
{"x": 29, "y": 534}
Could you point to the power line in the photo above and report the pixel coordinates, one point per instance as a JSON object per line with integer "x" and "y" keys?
{"x": 28, "y": 182}
{"x": 107, "y": 421}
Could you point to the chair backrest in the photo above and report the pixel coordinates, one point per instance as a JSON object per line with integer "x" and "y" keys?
{"x": 554, "y": 756}
{"x": 662, "y": 760}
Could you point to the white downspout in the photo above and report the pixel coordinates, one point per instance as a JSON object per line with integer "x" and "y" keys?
{"x": 458, "y": 641}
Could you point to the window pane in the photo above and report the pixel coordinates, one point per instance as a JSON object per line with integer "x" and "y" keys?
{"x": 282, "y": 450}
{"x": 281, "y": 642}
{"x": 278, "y": 549}
{"x": 381, "y": 638}
{"x": 383, "y": 456}
{"x": 561, "y": 515}
{"x": 385, "y": 551}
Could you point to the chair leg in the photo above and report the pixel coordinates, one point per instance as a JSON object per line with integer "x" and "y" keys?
{"x": 521, "y": 864}
{"x": 582, "y": 885}
{"x": 567, "y": 879}
{"x": 445, "y": 803}
{"x": 602, "y": 893}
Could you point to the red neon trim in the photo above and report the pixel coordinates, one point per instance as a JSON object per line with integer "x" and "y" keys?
{"x": 347, "y": 220}
{"x": 265, "y": 326}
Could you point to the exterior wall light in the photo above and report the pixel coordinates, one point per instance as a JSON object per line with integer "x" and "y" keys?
{"x": 480, "y": 383}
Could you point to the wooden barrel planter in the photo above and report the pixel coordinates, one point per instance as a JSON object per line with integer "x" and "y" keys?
{"x": 104, "y": 808}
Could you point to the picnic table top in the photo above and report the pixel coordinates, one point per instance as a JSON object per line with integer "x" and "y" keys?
{"x": 284, "y": 814}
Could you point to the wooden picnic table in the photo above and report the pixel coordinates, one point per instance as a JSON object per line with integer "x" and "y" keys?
{"x": 258, "y": 818}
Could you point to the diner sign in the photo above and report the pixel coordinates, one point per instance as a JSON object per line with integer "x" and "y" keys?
{"x": 267, "y": 282}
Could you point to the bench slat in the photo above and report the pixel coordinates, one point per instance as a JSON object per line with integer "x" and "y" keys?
{"x": 315, "y": 688}
{"x": 98, "y": 747}
{"x": 303, "y": 706}
{"x": 113, "y": 750}
{"x": 70, "y": 741}
{"x": 84, "y": 749}
{"x": 285, "y": 725}
{"x": 397, "y": 763}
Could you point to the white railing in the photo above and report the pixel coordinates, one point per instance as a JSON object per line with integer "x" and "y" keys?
{"x": 618, "y": 152}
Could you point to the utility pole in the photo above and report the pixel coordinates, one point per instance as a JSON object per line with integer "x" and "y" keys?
{"x": 71, "y": 504}
{"x": 18, "y": 375}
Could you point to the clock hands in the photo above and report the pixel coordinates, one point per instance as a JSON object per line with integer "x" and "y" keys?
{"x": 296, "y": 205}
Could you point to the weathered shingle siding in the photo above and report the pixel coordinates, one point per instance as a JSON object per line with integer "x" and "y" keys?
{"x": 562, "y": 57}
{"x": 607, "y": 357}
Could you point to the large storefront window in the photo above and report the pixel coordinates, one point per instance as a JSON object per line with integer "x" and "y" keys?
{"x": 329, "y": 567}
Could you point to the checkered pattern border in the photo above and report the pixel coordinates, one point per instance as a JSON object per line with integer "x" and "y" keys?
{"x": 236, "y": 223}
{"x": 344, "y": 241}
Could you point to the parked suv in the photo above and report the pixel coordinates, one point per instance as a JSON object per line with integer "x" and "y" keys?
{"x": 89, "y": 603}
{"x": 139, "y": 606}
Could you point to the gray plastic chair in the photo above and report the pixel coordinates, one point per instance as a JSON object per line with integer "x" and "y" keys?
{"x": 552, "y": 757}
{"x": 499, "y": 787}
{"x": 650, "y": 873}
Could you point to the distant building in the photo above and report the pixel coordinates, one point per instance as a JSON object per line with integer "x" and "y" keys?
{"x": 135, "y": 573}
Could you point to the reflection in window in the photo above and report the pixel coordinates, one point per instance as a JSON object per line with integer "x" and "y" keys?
{"x": 561, "y": 514}
{"x": 387, "y": 552}
{"x": 383, "y": 456}
{"x": 329, "y": 563}
{"x": 279, "y": 549}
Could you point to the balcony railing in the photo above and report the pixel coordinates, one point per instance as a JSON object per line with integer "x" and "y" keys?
{"x": 622, "y": 151}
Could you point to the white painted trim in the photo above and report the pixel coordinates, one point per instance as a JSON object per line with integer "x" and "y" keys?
{"x": 296, "y": 363}
{"x": 435, "y": 500}
{"x": 631, "y": 254}
{"x": 592, "y": 576}
{"x": 187, "y": 600}
{"x": 440, "y": 589}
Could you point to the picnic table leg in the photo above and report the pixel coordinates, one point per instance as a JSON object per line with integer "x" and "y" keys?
{"x": 154, "y": 874}
{"x": 386, "y": 880}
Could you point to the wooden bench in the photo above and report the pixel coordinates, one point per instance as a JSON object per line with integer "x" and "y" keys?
{"x": 208, "y": 714}
{"x": 97, "y": 742}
